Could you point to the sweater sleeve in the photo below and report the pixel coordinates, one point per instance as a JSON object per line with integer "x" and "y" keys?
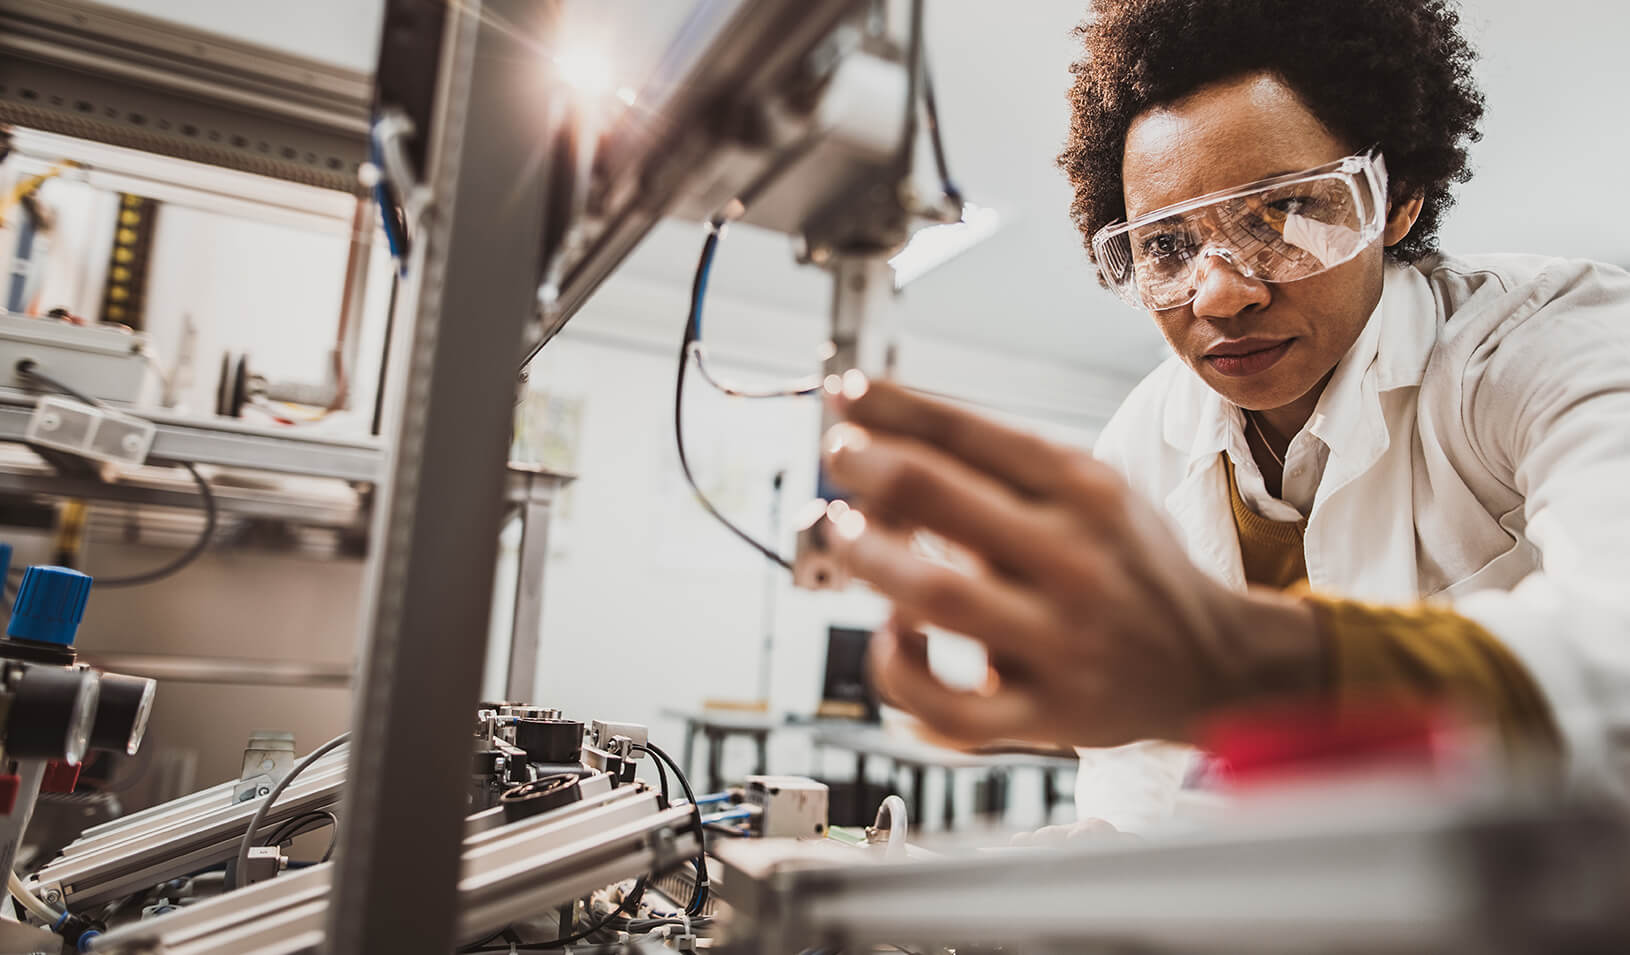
{"x": 1431, "y": 653}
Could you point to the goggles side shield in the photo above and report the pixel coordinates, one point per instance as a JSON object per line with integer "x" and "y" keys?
{"x": 1281, "y": 229}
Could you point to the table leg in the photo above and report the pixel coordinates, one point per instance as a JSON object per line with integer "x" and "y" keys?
{"x": 763, "y": 740}
{"x": 715, "y": 757}
{"x": 950, "y": 799}
{"x": 1049, "y": 795}
{"x": 858, "y": 809}
{"x": 690, "y": 748}
{"x": 919, "y": 802}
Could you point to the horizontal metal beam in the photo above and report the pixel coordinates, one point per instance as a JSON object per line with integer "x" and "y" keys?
{"x": 508, "y": 875}
{"x": 145, "y": 491}
{"x": 106, "y": 74}
{"x": 225, "y": 670}
{"x": 225, "y": 443}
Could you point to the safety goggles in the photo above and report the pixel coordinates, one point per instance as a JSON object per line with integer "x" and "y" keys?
{"x": 1281, "y": 229}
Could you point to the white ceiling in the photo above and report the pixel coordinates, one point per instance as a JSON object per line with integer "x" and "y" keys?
{"x": 1549, "y": 175}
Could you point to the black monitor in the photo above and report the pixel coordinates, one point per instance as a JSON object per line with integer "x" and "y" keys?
{"x": 847, "y": 690}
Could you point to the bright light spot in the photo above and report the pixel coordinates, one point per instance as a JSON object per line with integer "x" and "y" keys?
{"x": 850, "y": 525}
{"x": 833, "y": 385}
{"x": 936, "y": 245}
{"x": 855, "y": 384}
{"x": 627, "y": 95}
{"x": 587, "y": 70}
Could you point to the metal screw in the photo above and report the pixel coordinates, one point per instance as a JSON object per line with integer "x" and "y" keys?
{"x": 52, "y": 895}
{"x": 264, "y": 791}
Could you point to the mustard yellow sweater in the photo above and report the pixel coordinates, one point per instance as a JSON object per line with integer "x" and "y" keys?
{"x": 1422, "y": 652}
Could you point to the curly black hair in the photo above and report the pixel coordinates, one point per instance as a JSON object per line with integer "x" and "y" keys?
{"x": 1393, "y": 72}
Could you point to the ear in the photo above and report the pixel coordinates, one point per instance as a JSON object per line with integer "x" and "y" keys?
{"x": 1401, "y": 216}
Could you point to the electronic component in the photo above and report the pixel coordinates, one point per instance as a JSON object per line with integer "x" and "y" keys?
{"x": 790, "y": 807}
{"x": 111, "y": 361}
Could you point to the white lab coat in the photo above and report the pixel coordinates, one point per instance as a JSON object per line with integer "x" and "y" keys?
{"x": 1472, "y": 447}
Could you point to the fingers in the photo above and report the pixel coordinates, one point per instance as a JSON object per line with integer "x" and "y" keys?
{"x": 1092, "y": 830}
{"x": 905, "y": 483}
{"x": 980, "y": 605}
{"x": 902, "y": 676}
{"x": 1031, "y": 464}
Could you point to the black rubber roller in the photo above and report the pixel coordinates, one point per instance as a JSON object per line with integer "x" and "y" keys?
{"x": 121, "y": 713}
{"x": 51, "y": 713}
{"x": 550, "y": 741}
{"x": 540, "y": 796}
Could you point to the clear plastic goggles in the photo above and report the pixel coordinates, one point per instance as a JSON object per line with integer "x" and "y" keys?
{"x": 1280, "y": 229}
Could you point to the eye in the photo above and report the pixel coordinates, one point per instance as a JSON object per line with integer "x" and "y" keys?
{"x": 1295, "y": 205}
{"x": 1163, "y": 244}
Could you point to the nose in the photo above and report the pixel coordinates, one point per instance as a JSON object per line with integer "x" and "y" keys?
{"x": 1223, "y": 289}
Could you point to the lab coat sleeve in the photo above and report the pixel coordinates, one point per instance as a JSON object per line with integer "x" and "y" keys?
{"x": 1135, "y": 787}
{"x": 1546, "y": 403}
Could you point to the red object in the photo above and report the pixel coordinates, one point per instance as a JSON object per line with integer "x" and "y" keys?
{"x": 10, "y": 783}
{"x": 60, "y": 777}
{"x": 1265, "y": 745}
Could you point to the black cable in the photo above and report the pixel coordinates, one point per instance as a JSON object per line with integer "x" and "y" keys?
{"x": 699, "y": 898}
{"x": 662, "y": 776}
{"x": 932, "y": 114}
{"x": 29, "y": 369}
{"x": 693, "y": 331}
{"x": 297, "y": 827}
{"x": 241, "y": 858}
{"x": 629, "y": 901}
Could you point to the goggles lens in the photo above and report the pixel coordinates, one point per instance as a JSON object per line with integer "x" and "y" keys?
{"x": 1279, "y": 230}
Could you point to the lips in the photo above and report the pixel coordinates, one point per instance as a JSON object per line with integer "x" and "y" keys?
{"x": 1247, "y": 356}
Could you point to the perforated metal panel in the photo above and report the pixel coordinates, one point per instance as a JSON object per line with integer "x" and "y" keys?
{"x": 97, "y": 73}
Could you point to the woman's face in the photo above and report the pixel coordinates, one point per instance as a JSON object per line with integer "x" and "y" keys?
{"x": 1262, "y": 346}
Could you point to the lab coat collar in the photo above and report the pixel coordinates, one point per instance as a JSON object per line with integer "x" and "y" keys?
{"x": 1391, "y": 352}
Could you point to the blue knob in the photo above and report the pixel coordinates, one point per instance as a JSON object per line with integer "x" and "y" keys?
{"x": 50, "y": 604}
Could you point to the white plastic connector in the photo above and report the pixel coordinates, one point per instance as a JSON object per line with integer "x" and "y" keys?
{"x": 100, "y": 434}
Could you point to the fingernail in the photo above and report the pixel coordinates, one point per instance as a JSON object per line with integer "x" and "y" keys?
{"x": 844, "y": 436}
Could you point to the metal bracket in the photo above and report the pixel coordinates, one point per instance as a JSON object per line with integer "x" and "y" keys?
{"x": 266, "y": 760}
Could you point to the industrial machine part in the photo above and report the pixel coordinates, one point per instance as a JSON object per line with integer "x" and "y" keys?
{"x": 105, "y": 73}
{"x": 789, "y": 807}
{"x": 863, "y": 343}
{"x": 185, "y": 835}
{"x": 507, "y": 874}
{"x": 540, "y": 795}
{"x": 615, "y": 748}
{"x": 1379, "y": 874}
{"x": 266, "y": 760}
{"x": 49, "y": 714}
{"x": 110, "y": 360}
{"x": 173, "y": 839}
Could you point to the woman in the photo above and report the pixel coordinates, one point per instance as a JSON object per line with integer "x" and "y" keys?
{"x": 1369, "y": 469}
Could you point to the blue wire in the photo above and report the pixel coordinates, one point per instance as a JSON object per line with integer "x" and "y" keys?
{"x": 703, "y": 271}
{"x": 387, "y": 212}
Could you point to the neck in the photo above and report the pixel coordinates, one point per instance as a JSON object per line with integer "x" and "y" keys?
{"x": 1286, "y": 421}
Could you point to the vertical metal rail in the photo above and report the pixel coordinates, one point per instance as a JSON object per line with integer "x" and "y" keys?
{"x": 535, "y": 490}
{"x": 470, "y": 294}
